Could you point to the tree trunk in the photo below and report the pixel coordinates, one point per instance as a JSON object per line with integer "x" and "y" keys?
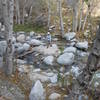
{"x": 8, "y": 22}
{"x": 61, "y": 19}
{"x": 75, "y": 17}
{"x": 81, "y": 15}
{"x": 17, "y": 12}
{"x": 49, "y": 14}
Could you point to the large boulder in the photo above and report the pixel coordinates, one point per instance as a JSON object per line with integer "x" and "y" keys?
{"x": 66, "y": 59}
{"x": 21, "y": 38}
{"x": 49, "y": 60}
{"x": 3, "y": 46}
{"x": 37, "y": 92}
{"x": 70, "y": 35}
{"x": 70, "y": 50}
{"x": 82, "y": 45}
{"x": 35, "y": 42}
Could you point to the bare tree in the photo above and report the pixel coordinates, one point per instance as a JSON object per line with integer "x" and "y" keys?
{"x": 8, "y": 6}
{"x": 49, "y": 13}
{"x": 81, "y": 14}
{"x": 61, "y": 18}
{"x": 75, "y": 5}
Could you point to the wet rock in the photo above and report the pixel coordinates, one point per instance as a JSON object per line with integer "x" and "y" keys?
{"x": 21, "y": 38}
{"x": 70, "y": 35}
{"x": 66, "y": 59}
{"x": 49, "y": 60}
{"x": 37, "y": 92}
{"x": 54, "y": 96}
{"x": 82, "y": 45}
{"x": 70, "y": 50}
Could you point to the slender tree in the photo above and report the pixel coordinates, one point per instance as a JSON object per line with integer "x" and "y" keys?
{"x": 61, "y": 18}
{"x": 8, "y": 6}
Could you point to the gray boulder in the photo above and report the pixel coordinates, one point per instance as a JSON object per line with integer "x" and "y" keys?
{"x": 49, "y": 60}
{"x": 37, "y": 92}
{"x": 70, "y": 50}
{"x": 82, "y": 45}
{"x": 26, "y": 46}
{"x": 35, "y": 42}
{"x": 21, "y": 38}
{"x": 66, "y": 59}
{"x": 70, "y": 35}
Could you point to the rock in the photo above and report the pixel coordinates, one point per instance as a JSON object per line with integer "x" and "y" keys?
{"x": 82, "y": 45}
{"x": 20, "y": 32}
{"x": 82, "y": 53}
{"x": 70, "y": 50}
{"x": 66, "y": 59}
{"x": 28, "y": 38}
{"x": 53, "y": 50}
{"x": 35, "y": 42}
{"x": 13, "y": 39}
{"x": 3, "y": 46}
{"x": 20, "y": 50}
{"x": 76, "y": 71}
{"x": 95, "y": 81}
{"x": 53, "y": 79}
{"x": 49, "y": 60}
{"x": 21, "y": 38}
{"x": 32, "y": 34}
{"x": 21, "y": 62}
{"x": 70, "y": 35}
{"x": 54, "y": 96}
{"x": 37, "y": 92}
{"x": 26, "y": 46}
{"x": 37, "y": 76}
{"x": 17, "y": 45}
{"x": 24, "y": 68}
{"x": 1, "y": 62}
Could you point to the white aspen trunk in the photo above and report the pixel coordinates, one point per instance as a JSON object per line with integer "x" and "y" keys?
{"x": 81, "y": 14}
{"x": 75, "y": 17}
{"x": 49, "y": 13}
{"x": 8, "y": 22}
{"x": 18, "y": 12}
{"x": 30, "y": 12}
{"x": 90, "y": 8}
{"x": 61, "y": 19}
